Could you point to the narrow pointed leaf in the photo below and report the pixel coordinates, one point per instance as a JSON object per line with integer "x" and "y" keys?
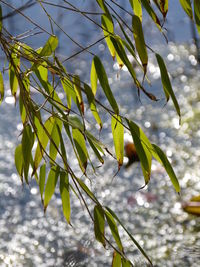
{"x": 50, "y": 46}
{"x": 126, "y": 263}
{"x": 77, "y": 89}
{"x": 197, "y": 14}
{"x": 139, "y": 41}
{"x": 143, "y": 146}
{"x": 161, "y": 157}
{"x": 130, "y": 236}
{"x": 1, "y": 88}
{"x": 42, "y": 177}
{"x": 13, "y": 68}
{"x": 19, "y": 160}
{"x": 50, "y": 185}
{"x": 94, "y": 148}
{"x": 86, "y": 190}
{"x": 137, "y": 8}
{"x": 116, "y": 261}
{"x": 114, "y": 230}
{"x": 108, "y": 29}
{"x": 118, "y": 138}
{"x": 80, "y": 145}
{"x": 187, "y": 6}
{"x": 69, "y": 91}
{"x": 55, "y": 140}
{"x": 99, "y": 224}
{"x": 64, "y": 192}
{"x": 104, "y": 8}
{"x": 146, "y": 4}
{"x": 164, "y": 7}
{"x": 103, "y": 79}
{"x": 167, "y": 84}
{"x": 93, "y": 79}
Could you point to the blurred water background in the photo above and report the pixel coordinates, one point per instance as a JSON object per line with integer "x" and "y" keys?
{"x": 154, "y": 215}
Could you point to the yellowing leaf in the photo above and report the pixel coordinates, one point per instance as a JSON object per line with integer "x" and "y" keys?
{"x": 118, "y": 138}
{"x": 50, "y": 46}
{"x": 93, "y": 79}
{"x": 137, "y": 8}
{"x": 116, "y": 261}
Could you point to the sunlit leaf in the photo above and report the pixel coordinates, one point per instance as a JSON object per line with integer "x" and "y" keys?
{"x": 42, "y": 177}
{"x": 162, "y": 158}
{"x": 130, "y": 235}
{"x": 43, "y": 134}
{"x": 187, "y": 6}
{"x": 55, "y": 140}
{"x": 77, "y": 89}
{"x": 80, "y": 145}
{"x": 91, "y": 101}
{"x": 197, "y": 14}
{"x": 19, "y": 160}
{"x": 50, "y": 46}
{"x": 1, "y": 88}
{"x": 146, "y": 4}
{"x": 166, "y": 83}
{"x": 139, "y": 41}
{"x": 104, "y": 8}
{"x": 50, "y": 185}
{"x": 116, "y": 261}
{"x": 143, "y": 146}
{"x": 114, "y": 230}
{"x": 13, "y": 68}
{"x": 99, "y": 224}
{"x": 137, "y": 8}
{"x": 64, "y": 192}
{"x": 27, "y": 144}
{"x": 118, "y": 138}
{"x": 93, "y": 79}
{"x": 126, "y": 263}
{"x": 108, "y": 29}
{"x": 103, "y": 79}
{"x": 69, "y": 91}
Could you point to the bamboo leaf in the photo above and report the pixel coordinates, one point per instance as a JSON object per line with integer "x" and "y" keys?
{"x": 27, "y": 144}
{"x": 93, "y": 79}
{"x": 143, "y": 146}
{"x": 104, "y": 8}
{"x": 187, "y": 6}
{"x": 126, "y": 263}
{"x": 114, "y": 230}
{"x": 146, "y": 4}
{"x": 51, "y": 185}
{"x": 137, "y": 8}
{"x": 118, "y": 138}
{"x": 139, "y": 41}
{"x": 55, "y": 140}
{"x": 19, "y": 160}
{"x": 167, "y": 84}
{"x": 49, "y": 47}
{"x": 94, "y": 148}
{"x": 42, "y": 177}
{"x": 164, "y": 7}
{"x": 108, "y": 29}
{"x": 64, "y": 192}
{"x": 162, "y": 158}
{"x": 103, "y": 79}
{"x": 69, "y": 91}
{"x": 129, "y": 234}
{"x": 1, "y": 87}
{"x": 197, "y": 14}
{"x": 99, "y": 224}
{"x": 91, "y": 101}
{"x": 80, "y": 145}
{"x": 13, "y": 68}
{"x": 116, "y": 261}
{"x": 77, "y": 89}
{"x": 86, "y": 190}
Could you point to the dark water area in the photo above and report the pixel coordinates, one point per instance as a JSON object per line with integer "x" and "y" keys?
{"x": 154, "y": 215}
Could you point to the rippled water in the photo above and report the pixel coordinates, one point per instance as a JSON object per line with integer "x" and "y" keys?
{"x": 154, "y": 215}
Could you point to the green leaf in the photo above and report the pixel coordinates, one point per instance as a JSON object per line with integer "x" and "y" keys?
{"x": 77, "y": 89}
{"x": 94, "y": 148}
{"x": 130, "y": 236}
{"x": 69, "y": 91}
{"x": 91, "y": 101}
{"x": 114, "y": 230}
{"x": 162, "y": 158}
{"x": 126, "y": 263}
{"x": 86, "y": 190}
{"x": 93, "y": 79}
{"x": 103, "y": 79}
{"x": 187, "y": 6}
{"x": 13, "y": 68}
{"x": 42, "y": 177}
{"x": 104, "y": 8}
{"x": 55, "y": 140}
{"x": 197, "y": 14}
{"x": 167, "y": 84}
{"x": 137, "y": 8}
{"x": 43, "y": 135}
{"x": 80, "y": 145}
{"x": 27, "y": 144}
{"x": 50, "y": 46}
{"x": 1, "y": 88}
{"x": 139, "y": 41}
{"x": 146, "y": 4}
{"x": 51, "y": 185}
{"x": 64, "y": 192}
{"x": 19, "y": 160}
{"x": 143, "y": 149}
{"x": 118, "y": 138}
{"x": 116, "y": 261}
{"x": 108, "y": 29}
{"x": 99, "y": 224}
